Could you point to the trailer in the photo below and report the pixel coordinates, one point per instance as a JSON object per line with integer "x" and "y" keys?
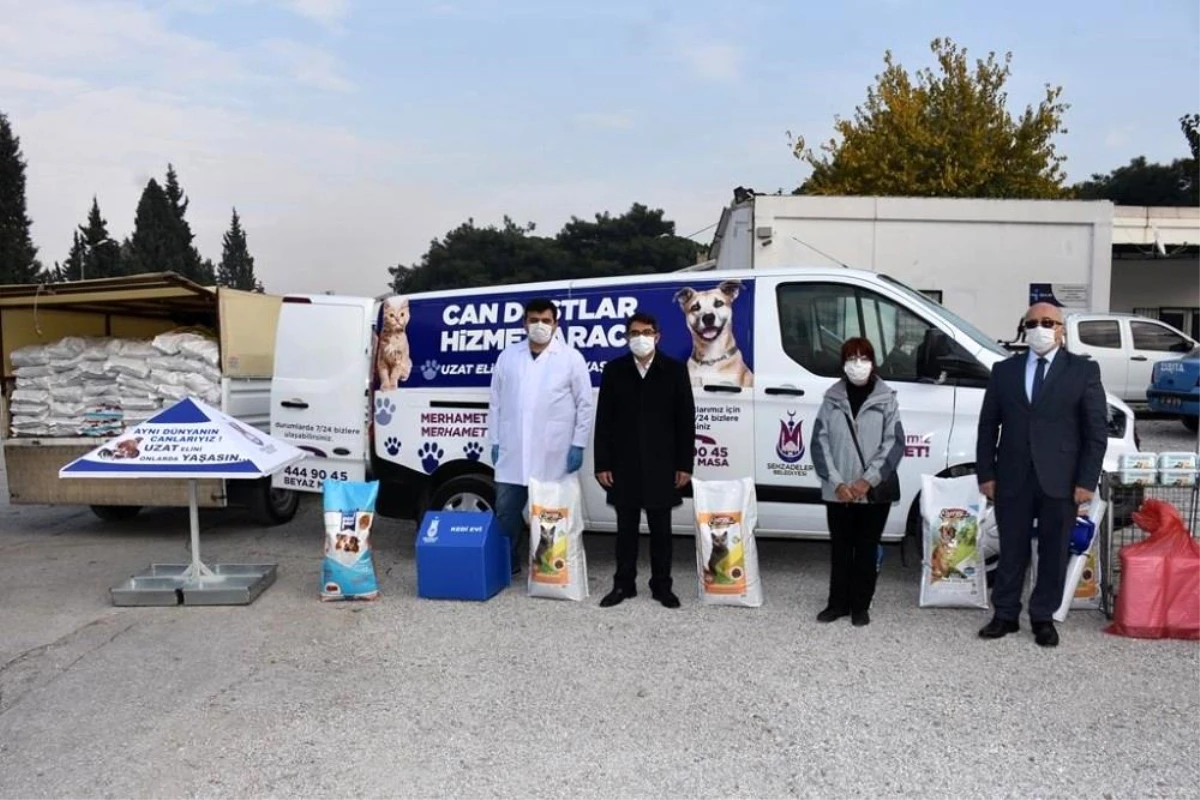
{"x": 139, "y": 307}
{"x": 983, "y": 260}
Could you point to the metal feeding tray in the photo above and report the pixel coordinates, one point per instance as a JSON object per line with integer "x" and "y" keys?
{"x": 177, "y": 584}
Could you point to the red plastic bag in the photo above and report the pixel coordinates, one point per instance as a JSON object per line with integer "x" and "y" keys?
{"x": 1160, "y": 579}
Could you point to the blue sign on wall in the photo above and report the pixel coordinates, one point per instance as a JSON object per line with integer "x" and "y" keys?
{"x": 454, "y": 341}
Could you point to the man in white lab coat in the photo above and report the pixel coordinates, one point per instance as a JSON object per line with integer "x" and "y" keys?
{"x": 539, "y": 416}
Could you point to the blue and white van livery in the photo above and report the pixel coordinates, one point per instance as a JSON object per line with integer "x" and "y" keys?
{"x": 762, "y": 348}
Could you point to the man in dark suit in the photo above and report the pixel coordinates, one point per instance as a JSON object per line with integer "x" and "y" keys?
{"x": 1042, "y": 436}
{"x": 644, "y": 453}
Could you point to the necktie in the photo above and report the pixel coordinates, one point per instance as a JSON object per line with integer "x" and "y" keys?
{"x": 1039, "y": 377}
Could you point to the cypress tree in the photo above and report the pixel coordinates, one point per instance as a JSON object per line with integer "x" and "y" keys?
{"x": 237, "y": 265}
{"x": 18, "y": 255}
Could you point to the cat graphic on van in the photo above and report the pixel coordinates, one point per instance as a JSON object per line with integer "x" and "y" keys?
{"x": 393, "y": 362}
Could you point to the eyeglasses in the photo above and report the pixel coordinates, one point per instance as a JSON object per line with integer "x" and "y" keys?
{"x": 643, "y": 334}
{"x": 1045, "y": 322}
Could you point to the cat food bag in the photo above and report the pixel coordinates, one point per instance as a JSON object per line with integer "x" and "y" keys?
{"x": 348, "y": 571}
{"x": 952, "y": 567}
{"x": 557, "y": 561}
{"x": 726, "y": 555}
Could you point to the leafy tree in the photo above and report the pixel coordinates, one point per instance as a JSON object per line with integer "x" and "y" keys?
{"x": 1140, "y": 183}
{"x": 237, "y": 265}
{"x": 18, "y": 255}
{"x": 942, "y": 134}
{"x": 639, "y": 241}
{"x": 1190, "y": 124}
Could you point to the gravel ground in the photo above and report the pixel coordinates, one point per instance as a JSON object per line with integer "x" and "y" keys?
{"x": 524, "y": 697}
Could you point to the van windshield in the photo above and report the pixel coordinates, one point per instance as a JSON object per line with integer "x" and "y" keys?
{"x": 976, "y": 335}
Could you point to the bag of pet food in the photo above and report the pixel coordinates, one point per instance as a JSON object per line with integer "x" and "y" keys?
{"x": 348, "y": 572}
{"x": 952, "y": 568}
{"x": 726, "y": 554}
{"x": 557, "y": 561}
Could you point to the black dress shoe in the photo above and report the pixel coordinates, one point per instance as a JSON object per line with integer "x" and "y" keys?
{"x": 832, "y": 613}
{"x": 667, "y": 598}
{"x": 860, "y": 618}
{"x": 1045, "y": 634}
{"x": 616, "y": 597}
{"x": 999, "y": 628}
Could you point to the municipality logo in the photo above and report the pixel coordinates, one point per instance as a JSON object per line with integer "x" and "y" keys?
{"x": 432, "y": 532}
{"x": 790, "y": 447}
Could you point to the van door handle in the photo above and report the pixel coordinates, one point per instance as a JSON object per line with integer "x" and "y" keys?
{"x": 294, "y": 404}
{"x": 1139, "y": 358}
{"x": 723, "y": 388}
{"x": 788, "y": 390}
{"x": 341, "y": 451}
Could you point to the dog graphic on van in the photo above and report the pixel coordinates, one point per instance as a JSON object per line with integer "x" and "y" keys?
{"x": 393, "y": 361}
{"x": 715, "y": 355}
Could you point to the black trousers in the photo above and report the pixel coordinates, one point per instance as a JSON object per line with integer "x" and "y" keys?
{"x": 629, "y": 521}
{"x": 1015, "y": 513}
{"x": 854, "y": 533}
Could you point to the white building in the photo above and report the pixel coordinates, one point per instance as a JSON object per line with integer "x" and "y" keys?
{"x": 984, "y": 259}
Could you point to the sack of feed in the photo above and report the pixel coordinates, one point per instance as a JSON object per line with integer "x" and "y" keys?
{"x": 348, "y": 571}
{"x": 952, "y": 569}
{"x": 726, "y": 554}
{"x": 557, "y": 561}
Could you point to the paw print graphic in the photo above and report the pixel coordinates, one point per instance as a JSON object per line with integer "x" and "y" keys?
{"x": 473, "y": 450}
{"x": 431, "y": 456}
{"x": 391, "y": 445}
{"x": 429, "y": 370}
{"x": 385, "y": 409}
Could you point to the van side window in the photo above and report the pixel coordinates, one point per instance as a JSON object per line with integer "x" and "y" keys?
{"x": 1151, "y": 336}
{"x": 1101, "y": 333}
{"x": 816, "y": 318}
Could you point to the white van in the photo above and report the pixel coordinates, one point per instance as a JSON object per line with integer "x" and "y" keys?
{"x": 398, "y": 389}
{"x": 1126, "y": 347}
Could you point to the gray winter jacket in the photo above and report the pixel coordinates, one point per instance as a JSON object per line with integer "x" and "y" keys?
{"x": 879, "y": 433}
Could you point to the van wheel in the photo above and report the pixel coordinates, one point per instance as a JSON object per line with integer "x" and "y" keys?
{"x": 464, "y": 493}
{"x": 270, "y": 506}
{"x": 1191, "y": 423}
{"x": 116, "y": 513}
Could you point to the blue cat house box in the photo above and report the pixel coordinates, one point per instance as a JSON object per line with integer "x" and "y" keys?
{"x": 461, "y": 555}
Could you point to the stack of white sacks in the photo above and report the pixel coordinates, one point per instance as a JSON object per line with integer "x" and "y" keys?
{"x": 99, "y": 387}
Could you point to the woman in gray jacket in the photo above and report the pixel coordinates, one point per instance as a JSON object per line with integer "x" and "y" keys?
{"x": 857, "y": 444}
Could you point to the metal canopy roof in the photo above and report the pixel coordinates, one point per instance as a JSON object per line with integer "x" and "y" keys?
{"x": 157, "y": 293}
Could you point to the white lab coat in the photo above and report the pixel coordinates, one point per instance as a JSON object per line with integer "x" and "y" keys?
{"x": 539, "y": 408}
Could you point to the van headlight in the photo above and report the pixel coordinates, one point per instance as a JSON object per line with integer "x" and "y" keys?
{"x": 1117, "y": 423}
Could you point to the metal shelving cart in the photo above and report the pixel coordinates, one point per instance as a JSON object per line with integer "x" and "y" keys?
{"x": 1118, "y": 529}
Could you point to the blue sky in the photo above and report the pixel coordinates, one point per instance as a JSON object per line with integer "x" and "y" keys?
{"x": 349, "y": 133}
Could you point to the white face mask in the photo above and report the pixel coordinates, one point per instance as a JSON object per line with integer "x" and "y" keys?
{"x": 641, "y": 346}
{"x": 858, "y": 371}
{"x": 1042, "y": 340}
{"x": 540, "y": 332}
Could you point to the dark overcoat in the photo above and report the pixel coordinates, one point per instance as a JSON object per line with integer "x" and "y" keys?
{"x": 645, "y": 431}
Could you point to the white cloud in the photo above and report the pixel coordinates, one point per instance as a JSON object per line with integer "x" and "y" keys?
{"x": 616, "y": 121}
{"x": 326, "y": 12}
{"x": 709, "y": 60}
{"x": 1116, "y": 138}
{"x": 309, "y": 66}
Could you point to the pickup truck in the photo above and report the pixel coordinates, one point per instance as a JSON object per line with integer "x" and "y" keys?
{"x": 1175, "y": 389}
{"x": 1126, "y": 347}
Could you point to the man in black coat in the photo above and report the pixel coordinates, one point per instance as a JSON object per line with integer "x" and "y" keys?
{"x": 644, "y": 453}
{"x": 1046, "y": 408}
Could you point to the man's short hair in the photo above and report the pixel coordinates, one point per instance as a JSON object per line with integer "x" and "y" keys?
{"x": 539, "y": 304}
{"x": 643, "y": 317}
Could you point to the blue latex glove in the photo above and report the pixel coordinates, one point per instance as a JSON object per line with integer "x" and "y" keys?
{"x": 495, "y": 454}
{"x": 574, "y": 458}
